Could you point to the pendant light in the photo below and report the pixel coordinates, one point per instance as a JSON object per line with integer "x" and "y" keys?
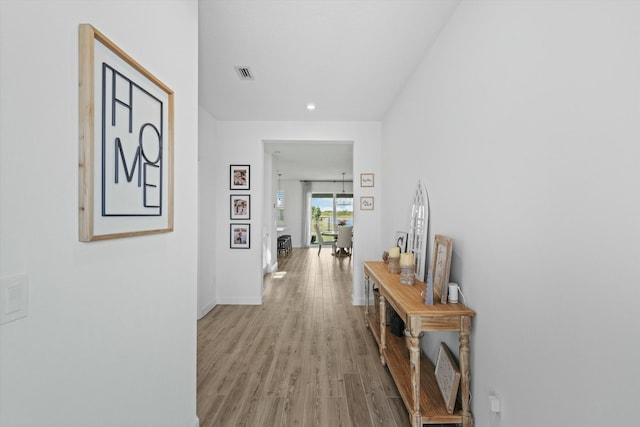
{"x": 342, "y": 201}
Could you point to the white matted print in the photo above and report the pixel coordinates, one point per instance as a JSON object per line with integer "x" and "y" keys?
{"x": 239, "y": 177}
{"x": 366, "y": 203}
{"x": 367, "y": 180}
{"x": 240, "y": 237}
{"x": 240, "y": 206}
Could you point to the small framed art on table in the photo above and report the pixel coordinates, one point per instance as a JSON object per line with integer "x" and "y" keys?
{"x": 447, "y": 376}
{"x": 441, "y": 265}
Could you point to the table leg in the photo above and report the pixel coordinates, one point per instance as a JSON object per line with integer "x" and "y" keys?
{"x": 413, "y": 334}
{"x": 383, "y": 328}
{"x": 367, "y": 286}
{"x": 414, "y": 359}
{"x": 465, "y": 374}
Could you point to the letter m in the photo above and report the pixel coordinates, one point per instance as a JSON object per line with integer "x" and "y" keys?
{"x": 119, "y": 155}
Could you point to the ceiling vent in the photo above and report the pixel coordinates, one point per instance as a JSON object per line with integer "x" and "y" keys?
{"x": 244, "y": 73}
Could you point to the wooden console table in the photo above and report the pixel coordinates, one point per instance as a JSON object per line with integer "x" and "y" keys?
{"x": 413, "y": 372}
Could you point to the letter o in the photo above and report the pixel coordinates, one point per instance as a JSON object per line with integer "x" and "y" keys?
{"x": 141, "y": 143}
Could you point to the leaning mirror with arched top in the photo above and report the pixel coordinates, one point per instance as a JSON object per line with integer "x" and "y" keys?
{"x": 419, "y": 230}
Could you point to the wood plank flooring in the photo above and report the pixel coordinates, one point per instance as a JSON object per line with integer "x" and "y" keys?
{"x": 303, "y": 358}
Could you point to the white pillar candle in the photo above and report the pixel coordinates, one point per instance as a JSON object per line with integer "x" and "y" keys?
{"x": 406, "y": 259}
{"x": 394, "y": 252}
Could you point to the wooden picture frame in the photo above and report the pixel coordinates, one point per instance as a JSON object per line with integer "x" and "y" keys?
{"x": 447, "y": 376}
{"x": 367, "y": 180}
{"x": 441, "y": 265}
{"x": 366, "y": 203}
{"x": 239, "y": 177}
{"x": 240, "y": 205}
{"x": 240, "y": 236}
{"x": 125, "y": 156}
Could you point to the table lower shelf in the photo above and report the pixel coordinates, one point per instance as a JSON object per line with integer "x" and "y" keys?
{"x": 396, "y": 355}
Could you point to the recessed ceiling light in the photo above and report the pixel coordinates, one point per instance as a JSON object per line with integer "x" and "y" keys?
{"x": 311, "y": 106}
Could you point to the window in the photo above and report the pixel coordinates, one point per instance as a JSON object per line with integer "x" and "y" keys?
{"x": 344, "y": 209}
{"x": 330, "y": 210}
{"x": 280, "y": 207}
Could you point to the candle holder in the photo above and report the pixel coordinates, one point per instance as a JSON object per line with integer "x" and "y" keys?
{"x": 394, "y": 265}
{"x": 407, "y": 274}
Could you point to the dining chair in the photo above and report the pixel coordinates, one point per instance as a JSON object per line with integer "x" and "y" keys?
{"x": 345, "y": 240}
{"x": 320, "y": 240}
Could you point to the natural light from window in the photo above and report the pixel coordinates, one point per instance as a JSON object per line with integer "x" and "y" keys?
{"x": 330, "y": 210}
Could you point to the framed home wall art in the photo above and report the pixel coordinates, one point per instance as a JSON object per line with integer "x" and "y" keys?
{"x": 125, "y": 144}
{"x": 239, "y": 177}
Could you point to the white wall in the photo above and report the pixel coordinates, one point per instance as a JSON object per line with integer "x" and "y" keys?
{"x": 207, "y": 211}
{"x": 294, "y": 204}
{"x": 110, "y": 339}
{"x": 239, "y": 279}
{"x": 269, "y": 234}
{"x": 523, "y": 122}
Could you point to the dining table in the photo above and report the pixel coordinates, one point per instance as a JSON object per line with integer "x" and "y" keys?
{"x": 330, "y": 233}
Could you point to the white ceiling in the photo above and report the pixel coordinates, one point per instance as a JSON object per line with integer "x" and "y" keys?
{"x": 318, "y": 160}
{"x": 349, "y": 57}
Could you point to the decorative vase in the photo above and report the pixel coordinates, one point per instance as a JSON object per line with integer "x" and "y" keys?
{"x": 407, "y": 275}
{"x": 394, "y": 265}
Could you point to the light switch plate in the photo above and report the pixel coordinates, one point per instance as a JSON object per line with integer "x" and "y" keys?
{"x": 14, "y": 297}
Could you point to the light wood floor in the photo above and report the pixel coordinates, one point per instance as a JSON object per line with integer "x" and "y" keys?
{"x": 303, "y": 358}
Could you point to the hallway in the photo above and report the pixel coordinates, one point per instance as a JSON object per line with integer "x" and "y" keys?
{"x": 302, "y": 358}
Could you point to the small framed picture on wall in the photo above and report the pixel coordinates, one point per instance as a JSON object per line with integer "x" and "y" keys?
{"x": 240, "y": 177}
{"x": 366, "y": 180}
{"x": 240, "y": 206}
{"x": 366, "y": 203}
{"x": 240, "y": 236}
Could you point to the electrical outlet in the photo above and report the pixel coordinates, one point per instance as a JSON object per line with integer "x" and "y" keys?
{"x": 495, "y": 403}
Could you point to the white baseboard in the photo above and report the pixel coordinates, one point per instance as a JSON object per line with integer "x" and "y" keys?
{"x": 270, "y": 268}
{"x": 202, "y": 311}
{"x": 358, "y": 301}
{"x": 196, "y": 422}
{"x": 240, "y": 301}
{"x": 274, "y": 267}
